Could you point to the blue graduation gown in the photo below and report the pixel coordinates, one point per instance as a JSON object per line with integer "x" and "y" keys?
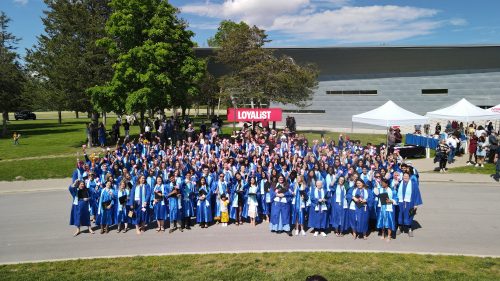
{"x": 105, "y": 216}
{"x": 121, "y": 211}
{"x": 280, "y": 211}
{"x": 265, "y": 198}
{"x": 204, "y": 210}
{"x": 160, "y": 207}
{"x": 80, "y": 214}
{"x": 338, "y": 213}
{"x": 317, "y": 211}
{"x": 299, "y": 209}
{"x": 218, "y": 188}
{"x": 404, "y": 217}
{"x": 141, "y": 216}
{"x": 174, "y": 208}
{"x": 358, "y": 216}
{"x": 385, "y": 213}
{"x": 188, "y": 189}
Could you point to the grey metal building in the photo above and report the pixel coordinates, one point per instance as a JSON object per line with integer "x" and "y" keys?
{"x": 421, "y": 79}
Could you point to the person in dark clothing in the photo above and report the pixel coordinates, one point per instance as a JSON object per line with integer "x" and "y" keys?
{"x": 437, "y": 129}
{"x": 493, "y": 141}
{"x": 126, "y": 128}
{"x": 497, "y": 164}
{"x": 442, "y": 155}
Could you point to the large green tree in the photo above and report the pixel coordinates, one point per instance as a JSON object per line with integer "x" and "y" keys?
{"x": 155, "y": 67}
{"x": 11, "y": 73}
{"x": 255, "y": 74}
{"x": 66, "y": 61}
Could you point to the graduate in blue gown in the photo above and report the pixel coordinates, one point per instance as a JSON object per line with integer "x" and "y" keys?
{"x": 408, "y": 200}
{"x": 203, "y": 210}
{"x": 265, "y": 192}
{"x": 80, "y": 214}
{"x": 385, "y": 210}
{"x": 339, "y": 208}
{"x": 251, "y": 204}
{"x": 95, "y": 192}
{"x": 174, "y": 197}
{"x": 105, "y": 213}
{"x": 281, "y": 197}
{"x": 121, "y": 197}
{"x": 159, "y": 203}
{"x": 139, "y": 199}
{"x": 300, "y": 195}
{"x": 219, "y": 188}
{"x": 359, "y": 198}
{"x": 318, "y": 211}
{"x": 238, "y": 198}
{"x": 188, "y": 189}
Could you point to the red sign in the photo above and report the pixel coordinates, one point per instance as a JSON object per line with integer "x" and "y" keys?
{"x": 254, "y": 114}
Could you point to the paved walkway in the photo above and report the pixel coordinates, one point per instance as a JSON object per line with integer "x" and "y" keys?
{"x": 35, "y": 227}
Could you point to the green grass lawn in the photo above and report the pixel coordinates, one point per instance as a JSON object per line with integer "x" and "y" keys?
{"x": 46, "y": 137}
{"x": 488, "y": 169}
{"x": 60, "y": 167}
{"x": 263, "y": 266}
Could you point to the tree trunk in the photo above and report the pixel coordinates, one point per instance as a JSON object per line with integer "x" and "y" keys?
{"x": 5, "y": 115}
{"x": 197, "y": 110}
{"x": 142, "y": 122}
{"x": 89, "y": 114}
{"x": 59, "y": 115}
{"x": 208, "y": 111}
{"x": 183, "y": 110}
{"x": 76, "y": 114}
{"x": 95, "y": 117}
{"x": 104, "y": 118}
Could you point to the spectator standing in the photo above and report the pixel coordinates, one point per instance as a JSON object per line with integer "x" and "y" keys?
{"x": 481, "y": 151}
{"x": 437, "y": 130}
{"x": 493, "y": 145}
{"x": 497, "y": 164}
{"x": 102, "y": 134}
{"x": 126, "y": 128}
{"x": 442, "y": 152}
{"x": 452, "y": 143}
{"x": 472, "y": 149}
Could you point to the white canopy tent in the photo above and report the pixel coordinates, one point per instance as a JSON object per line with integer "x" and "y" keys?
{"x": 463, "y": 111}
{"x": 389, "y": 114}
{"x": 495, "y": 109}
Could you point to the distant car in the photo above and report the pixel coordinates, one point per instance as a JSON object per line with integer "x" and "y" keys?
{"x": 25, "y": 115}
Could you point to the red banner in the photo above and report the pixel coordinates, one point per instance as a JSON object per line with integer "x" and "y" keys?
{"x": 254, "y": 114}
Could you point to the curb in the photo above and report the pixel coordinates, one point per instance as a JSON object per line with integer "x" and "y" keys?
{"x": 257, "y": 252}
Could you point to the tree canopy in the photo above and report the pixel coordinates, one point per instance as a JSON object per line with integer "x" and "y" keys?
{"x": 11, "y": 72}
{"x": 66, "y": 61}
{"x": 155, "y": 63}
{"x": 256, "y": 74}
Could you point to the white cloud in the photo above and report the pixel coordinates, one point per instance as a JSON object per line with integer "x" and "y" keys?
{"x": 335, "y": 20}
{"x": 21, "y": 2}
{"x": 360, "y": 24}
{"x": 260, "y": 12}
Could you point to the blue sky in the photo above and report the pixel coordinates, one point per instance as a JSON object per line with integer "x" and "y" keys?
{"x": 318, "y": 22}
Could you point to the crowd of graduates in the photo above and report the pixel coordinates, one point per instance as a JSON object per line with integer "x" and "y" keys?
{"x": 255, "y": 176}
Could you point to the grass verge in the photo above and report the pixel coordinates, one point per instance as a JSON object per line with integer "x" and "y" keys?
{"x": 488, "y": 169}
{"x": 37, "y": 168}
{"x": 263, "y": 266}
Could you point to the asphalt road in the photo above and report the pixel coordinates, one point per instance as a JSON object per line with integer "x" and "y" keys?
{"x": 455, "y": 219}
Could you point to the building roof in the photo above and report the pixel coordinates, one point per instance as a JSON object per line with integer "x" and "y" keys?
{"x": 393, "y": 60}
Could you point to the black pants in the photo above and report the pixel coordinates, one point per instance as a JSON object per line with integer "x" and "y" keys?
{"x": 442, "y": 163}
